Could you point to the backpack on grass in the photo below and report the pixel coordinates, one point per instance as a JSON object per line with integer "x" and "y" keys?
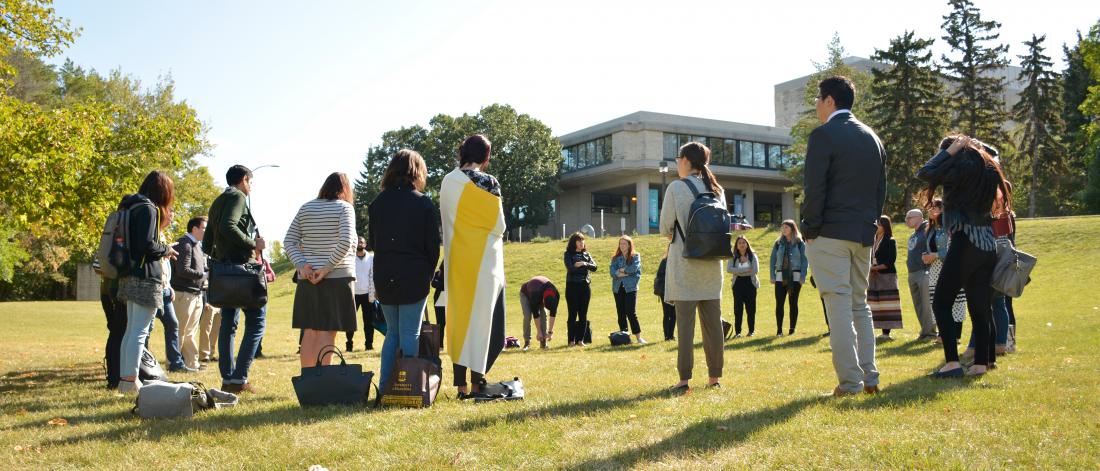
{"x": 708, "y": 227}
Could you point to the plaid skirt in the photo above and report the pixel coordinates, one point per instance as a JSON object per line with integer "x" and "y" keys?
{"x": 882, "y": 296}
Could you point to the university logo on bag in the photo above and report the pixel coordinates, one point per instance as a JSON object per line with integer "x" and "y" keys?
{"x": 402, "y": 377}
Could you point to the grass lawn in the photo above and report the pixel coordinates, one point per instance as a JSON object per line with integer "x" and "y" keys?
{"x": 600, "y": 407}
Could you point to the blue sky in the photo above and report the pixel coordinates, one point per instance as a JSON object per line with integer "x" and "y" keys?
{"x": 310, "y": 85}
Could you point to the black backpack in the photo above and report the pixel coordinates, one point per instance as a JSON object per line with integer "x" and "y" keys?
{"x": 708, "y": 227}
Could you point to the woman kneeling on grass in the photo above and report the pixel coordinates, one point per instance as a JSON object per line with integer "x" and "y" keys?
{"x": 321, "y": 242}
{"x": 693, "y": 284}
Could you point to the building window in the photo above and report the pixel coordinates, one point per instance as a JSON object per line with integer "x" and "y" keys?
{"x": 744, "y": 152}
{"x": 775, "y": 156}
{"x": 587, "y": 154}
{"x": 610, "y": 204}
{"x": 672, "y": 146}
{"x": 758, "y": 155}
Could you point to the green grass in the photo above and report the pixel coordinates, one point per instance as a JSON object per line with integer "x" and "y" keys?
{"x": 601, "y": 407}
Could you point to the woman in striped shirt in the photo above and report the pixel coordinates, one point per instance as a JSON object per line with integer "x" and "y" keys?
{"x": 321, "y": 243}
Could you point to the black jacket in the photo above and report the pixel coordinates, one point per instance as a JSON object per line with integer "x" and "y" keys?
{"x": 887, "y": 254}
{"x": 143, "y": 239}
{"x": 230, "y": 232}
{"x": 845, "y": 185}
{"x": 659, "y": 279}
{"x": 189, "y": 267}
{"x": 578, "y": 274}
{"x": 969, "y": 186}
{"x": 404, "y": 232}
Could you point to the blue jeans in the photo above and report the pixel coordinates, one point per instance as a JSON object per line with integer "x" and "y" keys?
{"x": 171, "y": 325}
{"x": 138, "y": 320}
{"x": 1000, "y": 318}
{"x": 402, "y": 333}
{"x": 254, "y": 322}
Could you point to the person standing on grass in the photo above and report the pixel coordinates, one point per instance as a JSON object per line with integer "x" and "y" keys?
{"x": 668, "y": 310}
{"x": 188, "y": 276}
{"x": 231, "y": 237}
{"x": 788, "y": 272}
{"x": 845, "y": 189}
{"x": 209, "y": 322}
{"x": 472, "y": 212}
{"x": 404, "y": 232}
{"x": 882, "y": 282}
{"x": 974, "y": 194}
{"x": 694, "y": 285}
{"x": 578, "y": 292}
{"x": 743, "y": 267}
{"x": 626, "y": 272}
{"x": 937, "y": 241}
{"x": 320, "y": 243}
{"x": 918, "y": 274}
{"x": 363, "y": 300}
{"x": 142, "y": 286}
{"x": 537, "y": 296}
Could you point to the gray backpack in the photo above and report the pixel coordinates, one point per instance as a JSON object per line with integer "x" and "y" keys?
{"x": 162, "y": 399}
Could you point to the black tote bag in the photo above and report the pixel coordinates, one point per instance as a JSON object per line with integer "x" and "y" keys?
{"x": 333, "y": 384}
{"x": 237, "y": 285}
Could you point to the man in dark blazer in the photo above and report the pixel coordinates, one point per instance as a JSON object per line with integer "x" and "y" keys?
{"x": 188, "y": 274}
{"x": 845, "y": 190}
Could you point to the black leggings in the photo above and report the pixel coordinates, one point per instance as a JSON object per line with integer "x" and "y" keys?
{"x": 577, "y": 296}
{"x": 460, "y": 376}
{"x": 744, "y": 299}
{"x": 362, "y": 303}
{"x": 782, "y": 291}
{"x": 966, "y": 266}
{"x": 626, "y": 308}
{"x": 115, "y": 311}
{"x": 668, "y": 318}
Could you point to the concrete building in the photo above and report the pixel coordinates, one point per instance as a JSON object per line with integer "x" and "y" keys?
{"x": 790, "y": 99}
{"x": 615, "y": 167}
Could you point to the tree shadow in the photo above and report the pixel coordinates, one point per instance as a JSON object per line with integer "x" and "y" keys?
{"x": 78, "y": 374}
{"x": 563, "y": 409}
{"x": 713, "y": 434}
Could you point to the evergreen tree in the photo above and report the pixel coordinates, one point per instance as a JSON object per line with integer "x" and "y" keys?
{"x": 807, "y": 121}
{"x": 1075, "y": 88}
{"x": 907, "y": 111}
{"x": 1090, "y": 110}
{"x": 977, "y": 102}
{"x": 1039, "y": 113}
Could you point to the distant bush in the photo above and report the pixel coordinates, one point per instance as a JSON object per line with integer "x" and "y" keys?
{"x": 540, "y": 240}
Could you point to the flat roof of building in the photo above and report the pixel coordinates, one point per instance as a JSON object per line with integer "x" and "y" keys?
{"x": 648, "y": 120}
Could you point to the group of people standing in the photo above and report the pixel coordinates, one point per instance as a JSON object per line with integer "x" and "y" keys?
{"x": 843, "y": 236}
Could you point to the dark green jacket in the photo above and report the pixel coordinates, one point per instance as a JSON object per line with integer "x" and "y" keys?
{"x": 230, "y": 229}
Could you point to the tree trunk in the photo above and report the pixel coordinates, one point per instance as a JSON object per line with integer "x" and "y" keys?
{"x": 1034, "y": 151}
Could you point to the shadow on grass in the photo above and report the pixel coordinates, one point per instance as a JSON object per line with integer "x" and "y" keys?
{"x": 803, "y": 342}
{"x": 756, "y": 341}
{"x": 711, "y": 435}
{"x": 77, "y": 374}
{"x": 911, "y": 348}
{"x": 563, "y": 409}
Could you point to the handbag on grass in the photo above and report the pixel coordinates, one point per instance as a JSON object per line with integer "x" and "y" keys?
{"x": 619, "y": 338}
{"x": 1013, "y": 269}
{"x": 323, "y": 385}
{"x": 414, "y": 382}
{"x": 162, "y": 399}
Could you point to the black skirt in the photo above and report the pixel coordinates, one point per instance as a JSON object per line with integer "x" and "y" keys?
{"x": 327, "y": 306}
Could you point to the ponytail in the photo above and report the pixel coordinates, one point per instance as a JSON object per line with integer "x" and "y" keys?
{"x": 699, "y": 155}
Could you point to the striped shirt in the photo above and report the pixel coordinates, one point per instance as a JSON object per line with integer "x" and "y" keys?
{"x": 322, "y": 234}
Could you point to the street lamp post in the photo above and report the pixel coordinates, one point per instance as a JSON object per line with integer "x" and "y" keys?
{"x": 664, "y": 170}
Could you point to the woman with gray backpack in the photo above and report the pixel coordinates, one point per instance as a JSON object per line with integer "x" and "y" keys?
{"x": 142, "y": 280}
{"x": 693, "y": 282}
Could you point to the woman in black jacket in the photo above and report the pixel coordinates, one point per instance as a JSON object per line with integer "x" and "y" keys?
{"x": 142, "y": 285}
{"x": 882, "y": 283}
{"x": 578, "y": 263}
{"x": 974, "y": 193}
{"x": 404, "y": 231}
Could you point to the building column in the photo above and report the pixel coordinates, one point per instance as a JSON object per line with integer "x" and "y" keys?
{"x": 750, "y": 204}
{"x": 789, "y": 210}
{"x": 641, "y": 193}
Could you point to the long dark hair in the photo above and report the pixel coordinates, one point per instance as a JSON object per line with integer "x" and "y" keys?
{"x": 934, "y": 222}
{"x": 571, "y": 247}
{"x": 748, "y": 248}
{"x": 699, "y": 156}
{"x": 885, "y": 224}
{"x": 976, "y": 150}
{"x": 158, "y": 187}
